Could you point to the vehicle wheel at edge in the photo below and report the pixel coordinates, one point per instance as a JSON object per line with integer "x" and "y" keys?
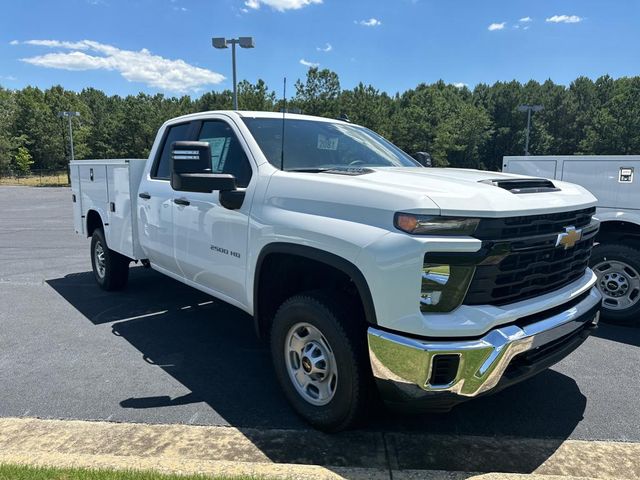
{"x": 617, "y": 267}
{"x": 320, "y": 359}
{"x": 110, "y": 269}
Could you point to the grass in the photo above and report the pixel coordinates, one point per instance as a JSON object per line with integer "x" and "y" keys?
{"x": 19, "y": 472}
{"x": 49, "y": 180}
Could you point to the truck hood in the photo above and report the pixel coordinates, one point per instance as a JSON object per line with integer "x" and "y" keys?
{"x": 434, "y": 191}
{"x": 459, "y": 191}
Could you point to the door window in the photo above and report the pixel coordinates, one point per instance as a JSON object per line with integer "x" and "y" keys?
{"x": 174, "y": 133}
{"x": 227, "y": 155}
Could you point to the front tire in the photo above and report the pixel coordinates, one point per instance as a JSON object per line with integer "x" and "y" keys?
{"x": 110, "y": 269}
{"x": 319, "y": 355}
{"x": 617, "y": 266}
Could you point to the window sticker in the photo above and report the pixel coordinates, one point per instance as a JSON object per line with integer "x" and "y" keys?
{"x": 327, "y": 143}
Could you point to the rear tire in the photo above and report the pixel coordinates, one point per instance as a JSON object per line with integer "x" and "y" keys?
{"x": 617, "y": 266}
{"x": 110, "y": 269}
{"x": 318, "y": 348}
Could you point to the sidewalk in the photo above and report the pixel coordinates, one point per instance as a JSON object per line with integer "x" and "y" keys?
{"x": 298, "y": 454}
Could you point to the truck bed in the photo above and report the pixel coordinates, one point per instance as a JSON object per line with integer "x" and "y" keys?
{"x": 110, "y": 188}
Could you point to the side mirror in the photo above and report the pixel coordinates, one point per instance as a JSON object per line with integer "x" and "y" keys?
{"x": 191, "y": 169}
{"x": 423, "y": 158}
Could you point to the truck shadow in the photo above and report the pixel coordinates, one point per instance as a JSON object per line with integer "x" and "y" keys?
{"x": 616, "y": 333}
{"x": 211, "y": 349}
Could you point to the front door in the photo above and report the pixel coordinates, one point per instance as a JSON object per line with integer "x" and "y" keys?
{"x": 211, "y": 240}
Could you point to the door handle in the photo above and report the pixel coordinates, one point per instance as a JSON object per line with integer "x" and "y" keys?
{"x": 181, "y": 201}
{"x": 144, "y": 195}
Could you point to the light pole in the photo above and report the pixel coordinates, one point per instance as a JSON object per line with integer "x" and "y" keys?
{"x": 244, "y": 42}
{"x": 68, "y": 115}
{"x": 529, "y": 109}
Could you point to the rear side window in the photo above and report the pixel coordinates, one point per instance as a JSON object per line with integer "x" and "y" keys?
{"x": 175, "y": 133}
{"x": 227, "y": 155}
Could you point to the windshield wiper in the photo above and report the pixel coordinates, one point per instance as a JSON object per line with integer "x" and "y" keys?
{"x": 341, "y": 170}
{"x": 309, "y": 170}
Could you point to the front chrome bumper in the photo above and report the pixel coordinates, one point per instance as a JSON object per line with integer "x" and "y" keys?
{"x": 403, "y": 367}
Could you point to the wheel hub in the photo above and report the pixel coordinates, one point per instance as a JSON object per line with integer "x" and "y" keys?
{"x": 616, "y": 284}
{"x": 619, "y": 284}
{"x": 306, "y": 364}
{"x": 311, "y": 364}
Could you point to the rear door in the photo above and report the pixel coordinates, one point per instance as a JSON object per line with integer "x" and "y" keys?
{"x": 78, "y": 223}
{"x": 156, "y": 203}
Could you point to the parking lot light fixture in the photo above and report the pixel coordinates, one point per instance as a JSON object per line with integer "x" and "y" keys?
{"x": 69, "y": 116}
{"x": 529, "y": 109}
{"x": 244, "y": 42}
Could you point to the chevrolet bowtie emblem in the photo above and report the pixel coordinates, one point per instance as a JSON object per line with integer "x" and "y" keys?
{"x": 569, "y": 237}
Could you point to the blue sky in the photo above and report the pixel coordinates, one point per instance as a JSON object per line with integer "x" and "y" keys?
{"x": 124, "y": 47}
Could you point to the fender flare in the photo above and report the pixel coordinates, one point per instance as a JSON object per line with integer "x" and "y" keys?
{"x": 89, "y": 214}
{"x": 330, "y": 259}
{"x": 618, "y": 216}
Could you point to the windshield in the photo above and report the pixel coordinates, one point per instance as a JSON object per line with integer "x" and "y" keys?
{"x": 312, "y": 145}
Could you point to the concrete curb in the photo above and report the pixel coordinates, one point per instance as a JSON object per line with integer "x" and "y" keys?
{"x": 273, "y": 453}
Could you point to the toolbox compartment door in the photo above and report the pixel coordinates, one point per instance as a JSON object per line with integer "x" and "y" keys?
{"x": 613, "y": 181}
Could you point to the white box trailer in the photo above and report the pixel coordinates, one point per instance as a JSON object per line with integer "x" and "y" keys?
{"x": 613, "y": 179}
{"x": 109, "y": 187}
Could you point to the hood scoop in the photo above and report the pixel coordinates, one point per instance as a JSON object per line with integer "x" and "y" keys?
{"x": 524, "y": 185}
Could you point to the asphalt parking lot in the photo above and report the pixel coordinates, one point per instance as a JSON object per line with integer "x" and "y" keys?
{"x": 161, "y": 352}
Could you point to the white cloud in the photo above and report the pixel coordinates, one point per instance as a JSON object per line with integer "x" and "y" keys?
{"x": 181, "y": 9}
{"x": 135, "y": 66}
{"x": 280, "y": 5}
{"x": 372, "y": 22}
{"x": 564, "y": 19}
{"x": 309, "y": 64}
{"x": 497, "y": 26}
{"x": 526, "y": 20}
{"x": 326, "y": 48}
{"x": 244, "y": 10}
{"x": 56, "y": 44}
{"x": 460, "y": 85}
{"x": 9, "y": 78}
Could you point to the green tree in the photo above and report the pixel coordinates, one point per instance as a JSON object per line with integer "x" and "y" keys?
{"x": 23, "y": 161}
{"x": 255, "y": 96}
{"x": 457, "y": 126}
{"x": 365, "y": 105}
{"x": 319, "y": 94}
{"x": 8, "y": 141}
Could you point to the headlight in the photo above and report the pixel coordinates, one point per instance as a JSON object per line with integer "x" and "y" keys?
{"x": 435, "y": 225}
{"x": 444, "y": 286}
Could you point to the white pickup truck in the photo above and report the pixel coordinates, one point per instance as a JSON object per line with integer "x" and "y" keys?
{"x": 361, "y": 267}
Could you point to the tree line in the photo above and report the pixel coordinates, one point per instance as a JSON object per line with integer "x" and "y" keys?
{"x": 458, "y": 126}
